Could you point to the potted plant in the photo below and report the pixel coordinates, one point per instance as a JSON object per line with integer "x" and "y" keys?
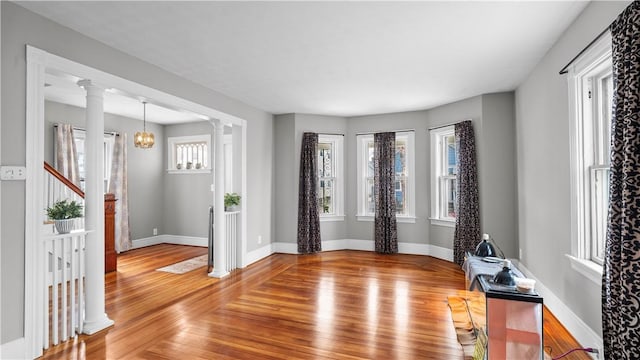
{"x": 63, "y": 213}
{"x": 231, "y": 200}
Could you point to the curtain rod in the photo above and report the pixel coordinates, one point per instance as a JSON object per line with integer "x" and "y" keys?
{"x": 442, "y": 126}
{"x": 374, "y": 132}
{"x": 81, "y": 129}
{"x": 322, "y": 133}
{"x": 446, "y": 125}
{"x": 564, "y": 69}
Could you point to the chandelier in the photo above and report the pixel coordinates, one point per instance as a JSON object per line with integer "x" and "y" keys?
{"x": 144, "y": 139}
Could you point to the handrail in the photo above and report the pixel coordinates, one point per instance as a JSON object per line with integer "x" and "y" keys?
{"x": 55, "y": 173}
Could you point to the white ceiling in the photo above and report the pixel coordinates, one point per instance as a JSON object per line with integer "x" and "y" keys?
{"x": 331, "y": 58}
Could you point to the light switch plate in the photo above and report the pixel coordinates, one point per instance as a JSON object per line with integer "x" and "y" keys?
{"x": 13, "y": 172}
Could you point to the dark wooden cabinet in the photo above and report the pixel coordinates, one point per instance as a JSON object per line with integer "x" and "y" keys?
{"x": 110, "y": 255}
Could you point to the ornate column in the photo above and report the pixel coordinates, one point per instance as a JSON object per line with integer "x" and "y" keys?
{"x": 95, "y": 317}
{"x": 219, "y": 248}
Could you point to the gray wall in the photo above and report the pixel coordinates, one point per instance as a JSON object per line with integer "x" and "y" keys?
{"x": 21, "y": 27}
{"x": 543, "y": 153}
{"x": 407, "y": 233}
{"x": 188, "y": 196}
{"x": 145, "y": 166}
{"x": 493, "y": 118}
{"x": 288, "y": 142}
{"x": 468, "y": 109}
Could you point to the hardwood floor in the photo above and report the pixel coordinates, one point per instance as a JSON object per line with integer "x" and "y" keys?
{"x": 333, "y": 305}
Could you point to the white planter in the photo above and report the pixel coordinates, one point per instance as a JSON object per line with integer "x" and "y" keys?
{"x": 64, "y": 226}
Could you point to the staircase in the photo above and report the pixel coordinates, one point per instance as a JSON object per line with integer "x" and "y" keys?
{"x": 63, "y": 259}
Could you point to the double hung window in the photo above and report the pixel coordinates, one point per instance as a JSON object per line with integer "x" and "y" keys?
{"x": 591, "y": 98}
{"x": 330, "y": 178}
{"x": 444, "y": 172}
{"x": 404, "y": 177}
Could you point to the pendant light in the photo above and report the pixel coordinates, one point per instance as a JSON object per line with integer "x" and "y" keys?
{"x": 144, "y": 139}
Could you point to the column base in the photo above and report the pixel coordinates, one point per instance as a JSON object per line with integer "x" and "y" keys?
{"x": 93, "y": 327}
{"x": 218, "y": 274}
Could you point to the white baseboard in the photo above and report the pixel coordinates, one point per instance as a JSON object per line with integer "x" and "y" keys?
{"x": 169, "y": 239}
{"x": 369, "y": 245}
{"x": 186, "y": 240}
{"x": 15, "y": 349}
{"x": 284, "y": 248}
{"x": 578, "y": 328}
{"x": 258, "y": 254}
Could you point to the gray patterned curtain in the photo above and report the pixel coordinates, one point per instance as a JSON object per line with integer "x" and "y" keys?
{"x": 118, "y": 185}
{"x": 384, "y": 180}
{"x": 66, "y": 154}
{"x": 308, "y": 218}
{"x": 621, "y": 275}
{"x": 467, "y": 232}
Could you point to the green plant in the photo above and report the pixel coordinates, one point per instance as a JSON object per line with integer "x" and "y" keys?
{"x": 231, "y": 199}
{"x": 64, "y": 209}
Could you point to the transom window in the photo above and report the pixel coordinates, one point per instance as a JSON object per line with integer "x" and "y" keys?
{"x": 189, "y": 153}
{"x": 330, "y": 181}
{"x": 444, "y": 175}
{"x": 404, "y": 176}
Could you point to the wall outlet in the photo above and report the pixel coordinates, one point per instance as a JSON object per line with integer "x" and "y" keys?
{"x": 13, "y": 172}
{"x": 259, "y": 239}
{"x": 155, "y": 231}
{"x": 520, "y": 254}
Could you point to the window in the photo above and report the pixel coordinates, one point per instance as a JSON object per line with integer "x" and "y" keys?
{"x": 444, "y": 172}
{"x": 79, "y": 137}
{"x": 404, "y": 173}
{"x": 189, "y": 154}
{"x": 591, "y": 96}
{"x": 330, "y": 181}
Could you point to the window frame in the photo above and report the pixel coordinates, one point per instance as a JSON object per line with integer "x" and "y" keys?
{"x": 362, "y": 142}
{"x": 587, "y": 156}
{"x": 439, "y": 175}
{"x": 173, "y": 141}
{"x": 80, "y": 135}
{"x": 337, "y": 144}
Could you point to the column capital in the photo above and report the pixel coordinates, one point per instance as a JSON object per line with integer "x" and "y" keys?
{"x": 90, "y": 86}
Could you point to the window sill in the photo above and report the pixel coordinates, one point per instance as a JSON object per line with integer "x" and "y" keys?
{"x": 189, "y": 171}
{"x": 329, "y": 218}
{"x": 588, "y": 268}
{"x": 441, "y": 222}
{"x": 400, "y": 219}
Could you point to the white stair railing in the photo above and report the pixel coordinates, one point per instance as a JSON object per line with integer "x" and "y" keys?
{"x": 63, "y": 256}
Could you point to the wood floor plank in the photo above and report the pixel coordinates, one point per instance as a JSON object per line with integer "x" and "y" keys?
{"x": 332, "y": 305}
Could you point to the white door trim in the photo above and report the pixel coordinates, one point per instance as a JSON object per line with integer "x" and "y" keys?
{"x": 40, "y": 62}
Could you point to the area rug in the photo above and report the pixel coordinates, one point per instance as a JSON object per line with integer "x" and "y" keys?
{"x": 468, "y": 315}
{"x": 185, "y": 266}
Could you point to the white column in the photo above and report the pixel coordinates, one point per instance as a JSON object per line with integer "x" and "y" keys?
{"x": 219, "y": 248}
{"x": 95, "y": 317}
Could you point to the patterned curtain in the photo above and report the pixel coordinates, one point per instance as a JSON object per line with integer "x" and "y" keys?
{"x": 621, "y": 275}
{"x": 308, "y": 217}
{"x": 467, "y": 232}
{"x": 384, "y": 181}
{"x": 118, "y": 187}
{"x": 66, "y": 154}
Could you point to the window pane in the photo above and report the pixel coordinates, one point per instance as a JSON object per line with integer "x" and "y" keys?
{"x": 370, "y": 199}
{"x": 451, "y": 162}
{"x": 448, "y": 200}
{"x": 326, "y": 197}
{"x": 369, "y": 152}
{"x": 401, "y": 158}
{"x": 600, "y": 208}
{"x": 325, "y": 160}
{"x": 401, "y": 195}
{"x": 606, "y": 92}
